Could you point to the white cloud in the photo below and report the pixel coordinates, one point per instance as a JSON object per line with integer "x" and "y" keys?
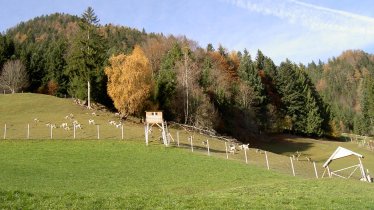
{"x": 326, "y": 31}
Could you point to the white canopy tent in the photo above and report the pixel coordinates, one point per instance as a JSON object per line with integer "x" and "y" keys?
{"x": 341, "y": 152}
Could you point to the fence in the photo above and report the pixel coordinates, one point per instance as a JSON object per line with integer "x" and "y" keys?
{"x": 362, "y": 141}
{"x": 185, "y": 139}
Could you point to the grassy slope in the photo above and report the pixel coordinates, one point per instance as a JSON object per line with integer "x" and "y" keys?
{"x": 119, "y": 174}
{"x": 114, "y": 174}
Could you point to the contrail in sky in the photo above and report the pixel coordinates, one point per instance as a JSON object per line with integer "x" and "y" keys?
{"x": 311, "y": 16}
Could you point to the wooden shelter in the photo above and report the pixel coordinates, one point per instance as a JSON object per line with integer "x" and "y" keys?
{"x": 155, "y": 118}
{"x": 341, "y": 152}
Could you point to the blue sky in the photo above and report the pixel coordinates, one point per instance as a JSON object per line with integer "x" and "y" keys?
{"x": 301, "y": 30}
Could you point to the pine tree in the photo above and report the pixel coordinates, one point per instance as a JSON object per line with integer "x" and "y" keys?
{"x": 166, "y": 79}
{"x": 86, "y": 58}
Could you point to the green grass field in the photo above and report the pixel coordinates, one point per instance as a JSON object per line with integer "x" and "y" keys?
{"x": 126, "y": 174}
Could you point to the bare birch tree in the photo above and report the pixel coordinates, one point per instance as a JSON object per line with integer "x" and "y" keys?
{"x": 14, "y": 76}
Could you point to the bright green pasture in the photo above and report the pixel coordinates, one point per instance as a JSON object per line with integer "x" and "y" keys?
{"x": 93, "y": 174}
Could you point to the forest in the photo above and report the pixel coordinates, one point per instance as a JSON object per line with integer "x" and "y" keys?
{"x": 231, "y": 92}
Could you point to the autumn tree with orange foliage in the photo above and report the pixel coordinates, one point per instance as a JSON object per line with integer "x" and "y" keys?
{"x": 129, "y": 81}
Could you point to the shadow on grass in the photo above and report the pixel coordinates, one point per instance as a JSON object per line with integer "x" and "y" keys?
{"x": 285, "y": 144}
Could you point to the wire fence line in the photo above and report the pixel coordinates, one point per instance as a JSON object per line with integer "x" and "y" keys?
{"x": 192, "y": 140}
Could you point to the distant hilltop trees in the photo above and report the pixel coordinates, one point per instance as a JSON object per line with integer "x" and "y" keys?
{"x": 232, "y": 92}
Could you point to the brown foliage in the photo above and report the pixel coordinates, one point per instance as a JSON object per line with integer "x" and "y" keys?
{"x": 129, "y": 81}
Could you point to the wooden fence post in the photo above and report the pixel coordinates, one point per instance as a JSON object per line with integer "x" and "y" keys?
{"x": 98, "y": 132}
{"x": 191, "y": 144}
{"x": 178, "y": 138}
{"x": 293, "y": 169}
{"x": 51, "y": 132}
{"x": 267, "y": 161}
{"x": 122, "y": 132}
{"x": 245, "y": 154}
{"x": 227, "y": 154}
{"x": 28, "y": 131}
{"x": 4, "y": 129}
{"x": 207, "y": 142}
{"x": 315, "y": 169}
{"x": 74, "y": 128}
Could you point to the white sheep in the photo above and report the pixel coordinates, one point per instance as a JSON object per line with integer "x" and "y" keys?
{"x": 245, "y": 146}
{"x": 78, "y": 126}
{"x": 91, "y": 122}
{"x": 118, "y": 125}
{"x": 36, "y": 120}
{"x": 64, "y": 125}
{"x": 112, "y": 122}
{"x": 232, "y": 149}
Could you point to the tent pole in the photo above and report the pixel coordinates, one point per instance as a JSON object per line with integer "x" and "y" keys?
{"x": 363, "y": 174}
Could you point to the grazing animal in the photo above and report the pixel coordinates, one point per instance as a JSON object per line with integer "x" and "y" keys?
{"x": 232, "y": 149}
{"x": 259, "y": 151}
{"x": 78, "y": 126}
{"x": 205, "y": 143}
{"x": 112, "y": 122}
{"x": 116, "y": 114}
{"x": 93, "y": 114}
{"x": 91, "y": 122}
{"x": 244, "y": 147}
{"x": 36, "y": 120}
{"x": 118, "y": 125}
{"x": 64, "y": 125}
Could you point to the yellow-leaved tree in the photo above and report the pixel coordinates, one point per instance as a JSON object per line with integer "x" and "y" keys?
{"x": 129, "y": 81}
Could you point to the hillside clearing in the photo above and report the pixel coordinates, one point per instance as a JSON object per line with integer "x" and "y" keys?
{"x": 117, "y": 174}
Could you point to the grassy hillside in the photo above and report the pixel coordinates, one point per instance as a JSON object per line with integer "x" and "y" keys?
{"x": 126, "y": 174}
{"x": 116, "y": 174}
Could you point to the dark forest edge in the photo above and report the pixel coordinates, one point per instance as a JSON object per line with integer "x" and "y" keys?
{"x": 228, "y": 91}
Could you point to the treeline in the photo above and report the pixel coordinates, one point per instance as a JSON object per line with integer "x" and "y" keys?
{"x": 347, "y": 84}
{"x": 228, "y": 91}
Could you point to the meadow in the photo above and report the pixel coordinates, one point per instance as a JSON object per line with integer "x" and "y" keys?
{"x": 125, "y": 174}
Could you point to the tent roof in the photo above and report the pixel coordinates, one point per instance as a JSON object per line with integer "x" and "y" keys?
{"x": 341, "y": 152}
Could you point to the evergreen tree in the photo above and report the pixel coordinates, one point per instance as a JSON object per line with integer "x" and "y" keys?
{"x": 249, "y": 74}
{"x": 6, "y": 49}
{"x": 166, "y": 79}
{"x": 86, "y": 59}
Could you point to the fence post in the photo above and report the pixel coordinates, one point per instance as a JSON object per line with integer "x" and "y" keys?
{"x": 122, "y": 132}
{"x": 227, "y": 155}
{"x": 74, "y": 131}
{"x": 146, "y": 133}
{"x": 293, "y": 169}
{"x": 315, "y": 169}
{"x": 4, "y": 129}
{"x": 207, "y": 142}
{"x": 51, "y": 132}
{"x": 98, "y": 132}
{"x": 267, "y": 161}
{"x": 178, "y": 138}
{"x": 245, "y": 154}
{"x": 28, "y": 131}
{"x": 191, "y": 144}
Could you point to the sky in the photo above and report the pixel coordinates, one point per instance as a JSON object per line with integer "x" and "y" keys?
{"x": 300, "y": 30}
